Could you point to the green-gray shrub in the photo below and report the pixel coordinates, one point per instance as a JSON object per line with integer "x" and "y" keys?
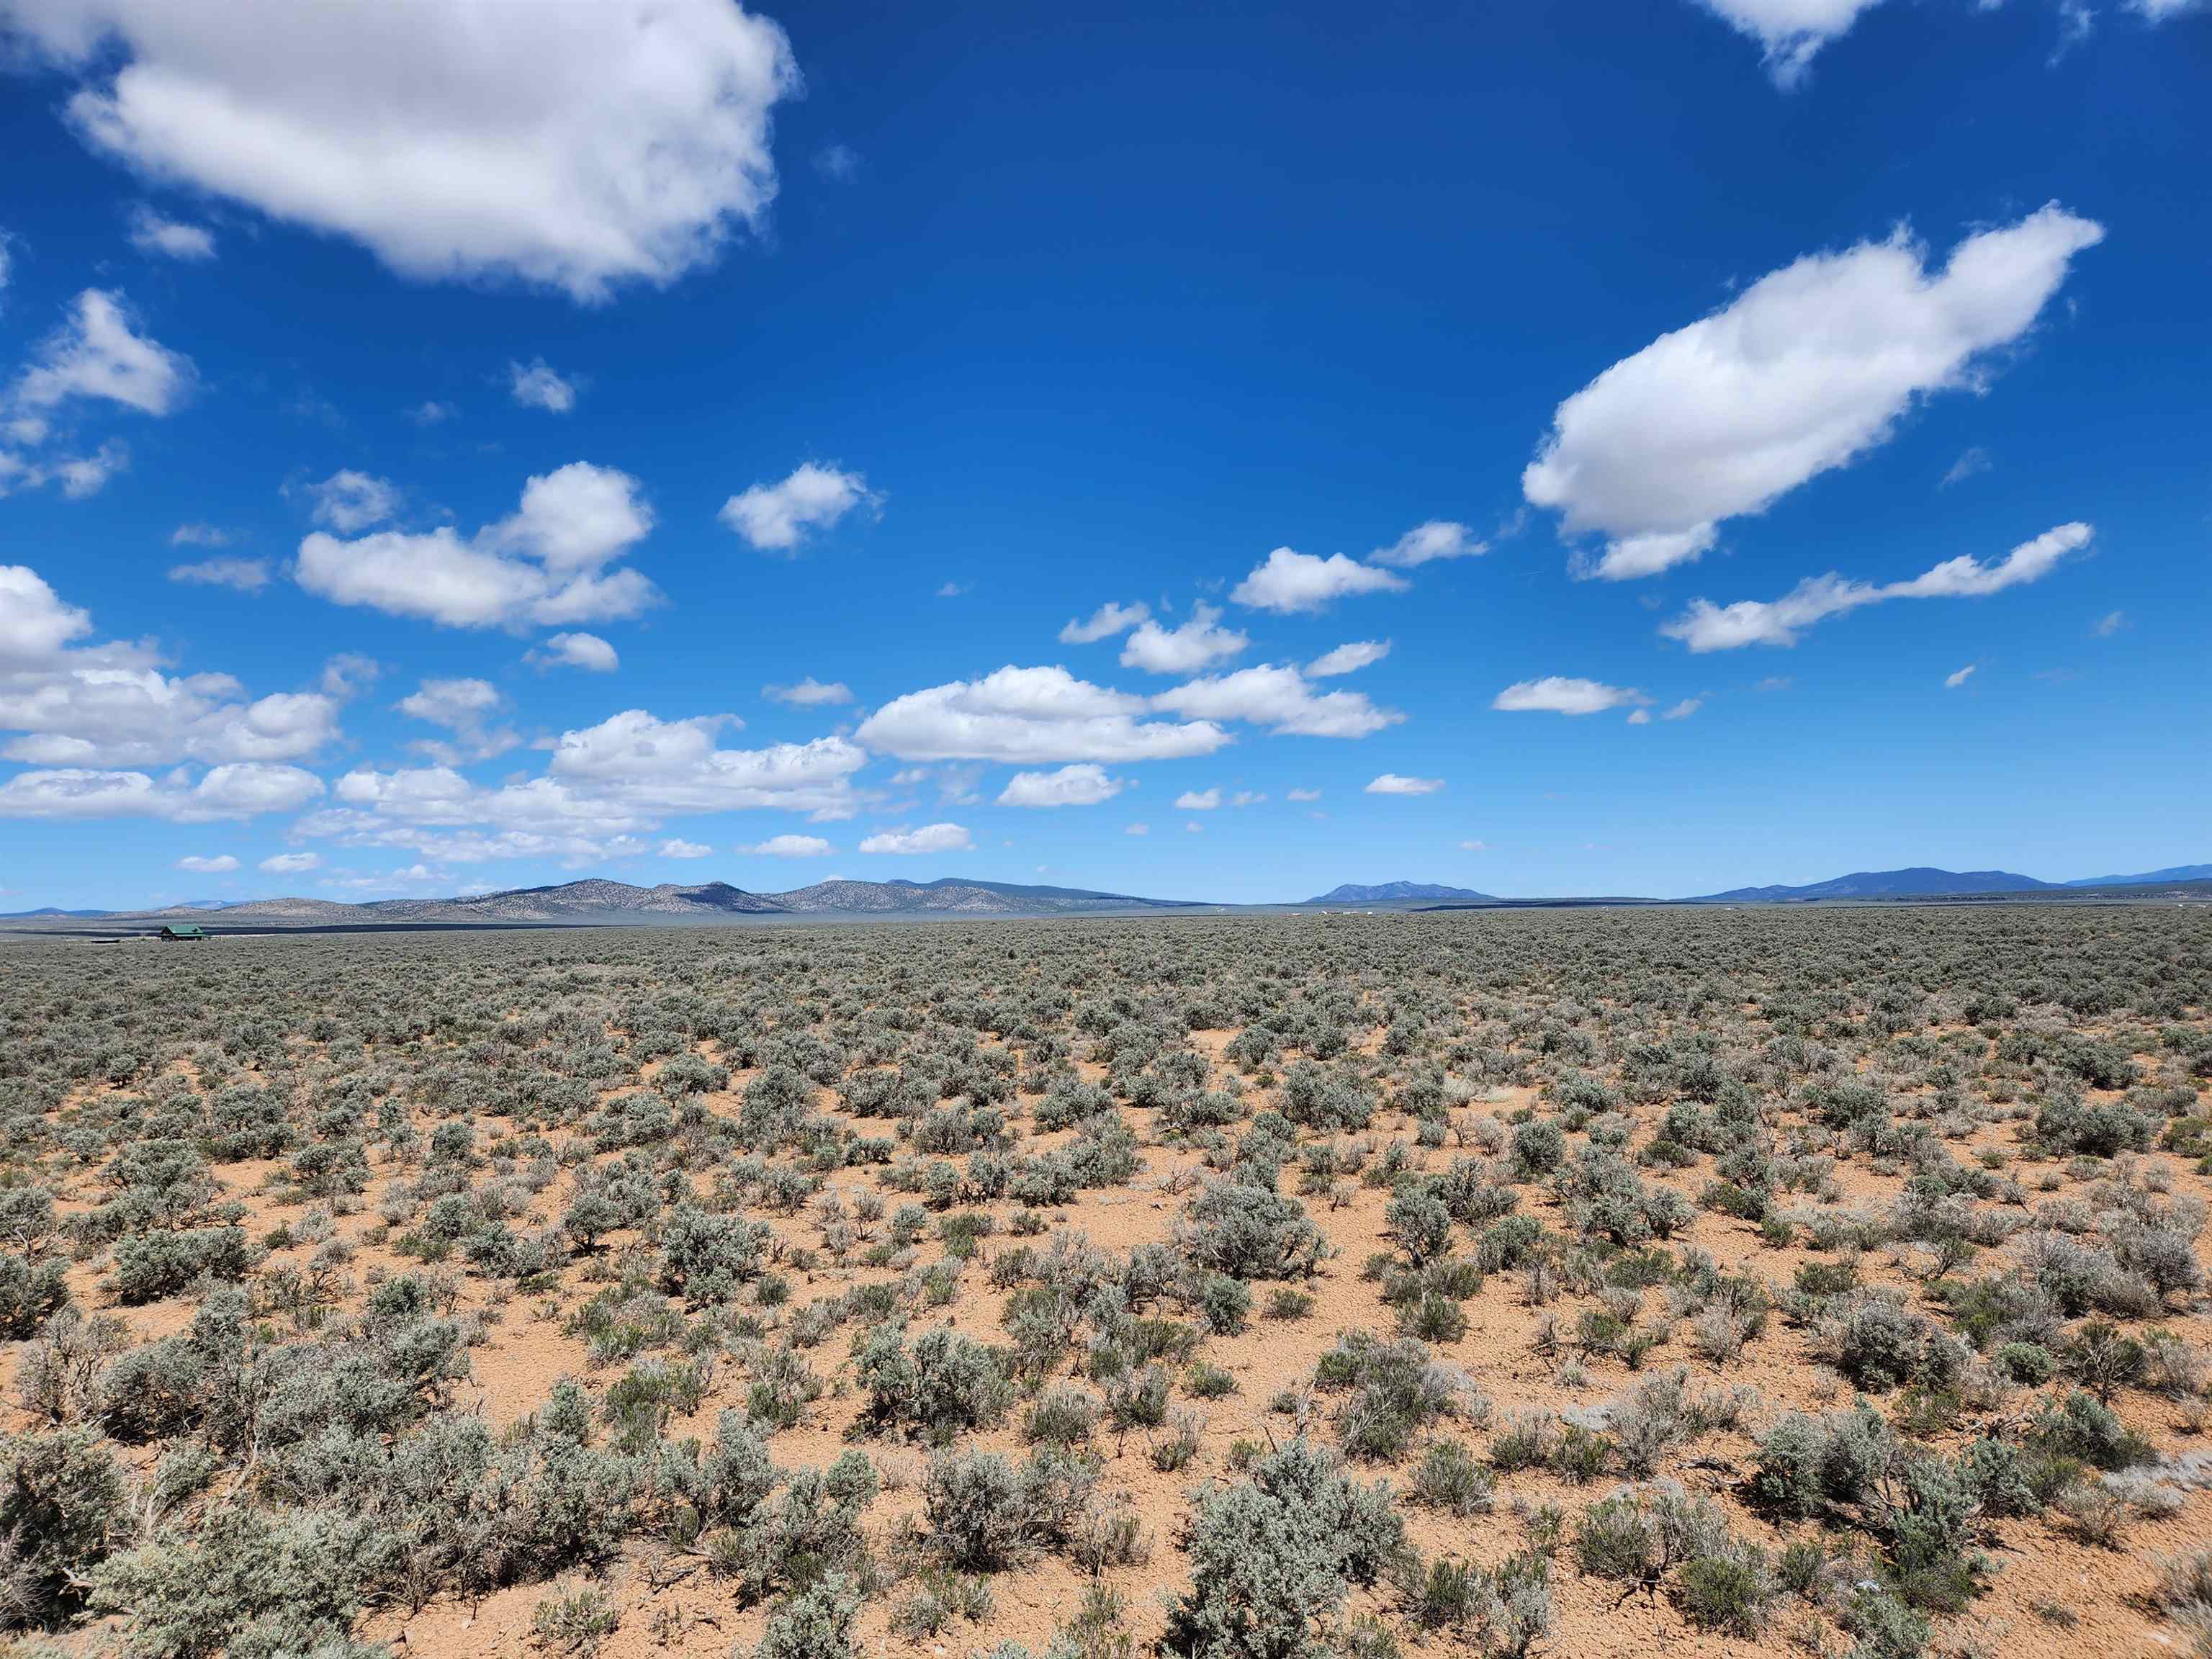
{"x": 1272, "y": 1556}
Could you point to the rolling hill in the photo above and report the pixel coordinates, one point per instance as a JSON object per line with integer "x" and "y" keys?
{"x": 616, "y": 901}
{"x": 953, "y": 896}
{"x": 1399, "y": 892}
{"x": 2148, "y": 878}
{"x": 609, "y": 902}
{"x": 1920, "y": 882}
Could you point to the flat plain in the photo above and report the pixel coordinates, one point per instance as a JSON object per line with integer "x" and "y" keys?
{"x": 1749, "y": 1281}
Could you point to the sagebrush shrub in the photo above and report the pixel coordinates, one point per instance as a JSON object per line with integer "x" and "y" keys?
{"x": 1274, "y": 1554}
{"x": 1249, "y": 1232}
{"x": 1727, "y": 1591}
{"x": 150, "y": 1266}
{"x": 1451, "y": 1477}
{"x": 249, "y": 1584}
{"x": 943, "y": 1383}
{"x": 63, "y": 1508}
{"x": 31, "y": 1293}
{"x": 1395, "y": 1390}
{"x": 813, "y": 1623}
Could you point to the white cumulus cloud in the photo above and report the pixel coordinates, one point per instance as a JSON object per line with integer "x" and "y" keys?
{"x": 222, "y": 864}
{"x": 1952, "y": 682}
{"x": 113, "y": 708}
{"x": 240, "y": 791}
{"x": 172, "y": 239}
{"x": 1183, "y": 650}
{"x": 536, "y": 385}
{"x": 1390, "y": 783}
{"x": 1026, "y": 716}
{"x": 1278, "y": 698}
{"x": 350, "y": 499}
{"x": 1790, "y": 32}
{"x": 35, "y": 624}
{"x": 348, "y": 673}
{"x": 575, "y": 147}
{"x": 1084, "y": 784}
{"x": 454, "y": 703}
{"x": 1557, "y": 694}
{"x": 98, "y": 355}
{"x": 929, "y": 838}
{"x": 791, "y": 847}
{"x": 810, "y": 693}
{"x": 1198, "y": 800}
{"x": 549, "y": 563}
{"x": 464, "y": 707}
{"x": 1807, "y": 368}
{"x": 1288, "y": 582}
{"x": 602, "y": 786}
{"x": 585, "y": 651}
{"x": 291, "y": 863}
{"x": 80, "y": 706}
{"x": 775, "y": 517}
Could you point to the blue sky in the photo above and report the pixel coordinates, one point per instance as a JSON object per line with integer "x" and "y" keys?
{"x": 1767, "y": 435}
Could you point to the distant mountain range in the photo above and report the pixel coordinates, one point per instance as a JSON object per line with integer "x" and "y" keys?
{"x": 1923, "y": 882}
{"x": 616, "y": 900}
{"x": 1919, "y": 883}
{"x": 595, "y": 901}
{"x": 1400, "y": 892}
{"x": 2176, "y": 873}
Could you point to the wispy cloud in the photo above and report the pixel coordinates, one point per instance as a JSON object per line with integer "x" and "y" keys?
{"x": 246, "y": 575}
{"x": 1708, "y": 627}
{"x": 1972, "y": 463}
{"x": 1559, "y": 694}
{"x": 537, "y": 385}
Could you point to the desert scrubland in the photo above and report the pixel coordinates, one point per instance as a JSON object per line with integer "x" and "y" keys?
{"x": 1603, "y": 1282}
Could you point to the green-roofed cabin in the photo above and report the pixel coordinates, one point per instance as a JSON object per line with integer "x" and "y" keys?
{"x": 183, "y": 930}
